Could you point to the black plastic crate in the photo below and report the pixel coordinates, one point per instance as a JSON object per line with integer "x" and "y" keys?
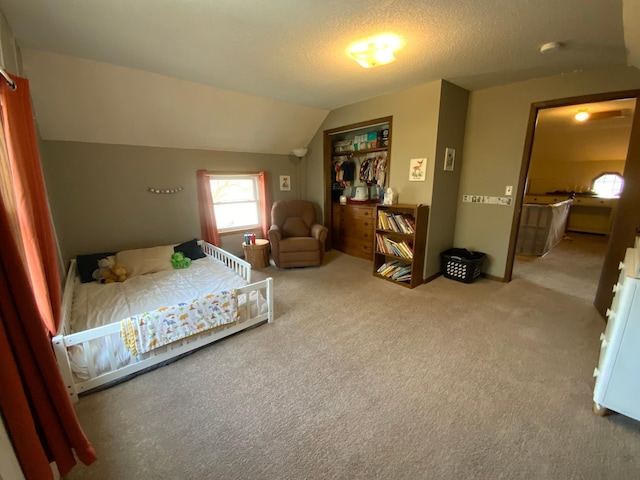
{"x": 461, "y": 264}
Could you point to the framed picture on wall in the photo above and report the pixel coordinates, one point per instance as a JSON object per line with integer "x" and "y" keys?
{"x": 449, "y": 158}
{"x": 418, "y": 170}
{"x": 285, "y": 182}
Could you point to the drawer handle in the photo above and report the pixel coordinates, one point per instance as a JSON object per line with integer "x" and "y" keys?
{"x": 610, "y": 314}
{"x": 616, "y": 287}
{"x": 602, "y": 336}
{"x": 596, "y": 372}
{"x": 620, "y": 265}
{"x": 366, "y": 224}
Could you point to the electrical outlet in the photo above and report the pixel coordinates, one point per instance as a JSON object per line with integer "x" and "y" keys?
{"x": 509, "y": 190}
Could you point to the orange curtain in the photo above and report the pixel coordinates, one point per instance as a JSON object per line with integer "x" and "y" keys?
{"x": 208, "y": 224}
{"x": 33, "y": 400}
{"x": 266, "y": 204}
{"x": 31, "y": 206}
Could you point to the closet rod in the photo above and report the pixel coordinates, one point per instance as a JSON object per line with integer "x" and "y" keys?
{"x": 6, "y": 76}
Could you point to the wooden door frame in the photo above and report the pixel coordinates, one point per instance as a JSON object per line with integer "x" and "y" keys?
{"x": 526, "y": 158}
{"x": 327, "y": 152}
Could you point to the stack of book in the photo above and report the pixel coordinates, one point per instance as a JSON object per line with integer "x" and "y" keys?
{"x": 396, "y": 270}
{"x": 402, "y": 223}
{"x": 391, "y": 247}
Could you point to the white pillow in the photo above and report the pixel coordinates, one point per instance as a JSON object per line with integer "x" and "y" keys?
{"x": 146, "y": 260}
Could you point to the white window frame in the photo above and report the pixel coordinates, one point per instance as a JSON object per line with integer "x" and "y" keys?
{"x": 619, "y": 177}
{"x": 258, "y": 201}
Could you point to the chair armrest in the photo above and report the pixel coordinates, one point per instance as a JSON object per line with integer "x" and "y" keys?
{"x": 274, "y": 234}
{"x": 318, "y": 231}
{"x": 274, "y": 239}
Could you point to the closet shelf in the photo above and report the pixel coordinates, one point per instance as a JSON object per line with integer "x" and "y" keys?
{"x": 355, "y": 153}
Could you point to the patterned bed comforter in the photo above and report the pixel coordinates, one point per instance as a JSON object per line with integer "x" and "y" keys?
{"x": 146, "y": 331}
{"x": 140, "y": 297}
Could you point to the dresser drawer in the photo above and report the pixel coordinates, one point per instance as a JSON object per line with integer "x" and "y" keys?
{"x": 358, "y": 249}
{"x": 595, "y": 202}
{"x": 357, "y": 237}
{"x": 545, "y": 199}
{"x": 357, "y": 224}
{"x": 353, "y": 229}
{"x": 354, "y": 214}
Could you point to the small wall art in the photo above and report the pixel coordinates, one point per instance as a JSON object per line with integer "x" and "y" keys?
{"x": 449, "y": 158}
{"x": 417, "y": 169}
{"x": 285, "y": 182}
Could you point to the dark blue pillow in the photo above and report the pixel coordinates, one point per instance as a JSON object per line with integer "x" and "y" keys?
{"x": 87, "y": 264}
{"x": 190, "y": 249}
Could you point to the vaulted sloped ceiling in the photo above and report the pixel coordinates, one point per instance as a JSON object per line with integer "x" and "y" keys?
{"x": 87, "y": 101}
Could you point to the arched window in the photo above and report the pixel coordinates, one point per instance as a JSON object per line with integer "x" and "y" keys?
{"x": 608, "y": 185}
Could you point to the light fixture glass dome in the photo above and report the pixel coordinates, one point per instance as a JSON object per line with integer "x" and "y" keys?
{"x": 299, "y": 152}
{"x": 375, "y": 51}
{"x": 582, "y": 115}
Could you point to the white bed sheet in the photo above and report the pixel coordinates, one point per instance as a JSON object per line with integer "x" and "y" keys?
{"x": 97, "y": 304}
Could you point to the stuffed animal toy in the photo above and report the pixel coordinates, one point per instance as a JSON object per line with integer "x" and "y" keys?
{"x": 117, "y": 273}
{"x": 104, "y": 265}
{"x": 178, "y": 260}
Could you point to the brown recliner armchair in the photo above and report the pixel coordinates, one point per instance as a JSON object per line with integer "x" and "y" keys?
{"x": 296, "y": 239}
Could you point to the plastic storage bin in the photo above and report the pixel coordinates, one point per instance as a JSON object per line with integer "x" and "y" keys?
{"x": 461, "y": 264}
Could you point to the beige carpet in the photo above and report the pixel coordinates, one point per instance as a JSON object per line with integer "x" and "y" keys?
{"x": 362, "y": 379}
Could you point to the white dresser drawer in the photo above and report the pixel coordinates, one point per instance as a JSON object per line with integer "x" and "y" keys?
{"x": 595, "y": 201}
{"x": 617, "y": 385}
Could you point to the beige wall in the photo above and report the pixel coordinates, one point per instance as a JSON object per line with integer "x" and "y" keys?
{"x": 99, "y": 198}
{"x": 494, "y": 141}
{"x": 415, "y": 121}
{"x": 10, "y": 57}
{"x": 451, "y": 125}
{"x": 546, "y": 176}
{"x": 426, "y": 120}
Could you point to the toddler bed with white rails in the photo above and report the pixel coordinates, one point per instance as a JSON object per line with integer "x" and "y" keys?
{"x": 111, "y": 331}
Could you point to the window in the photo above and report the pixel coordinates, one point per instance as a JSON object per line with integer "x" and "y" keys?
{"x": 236, "y": 201}
{"x": 608, "y": 185}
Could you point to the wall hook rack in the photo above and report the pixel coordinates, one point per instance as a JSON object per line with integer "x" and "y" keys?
{"x": 164, "y": 190}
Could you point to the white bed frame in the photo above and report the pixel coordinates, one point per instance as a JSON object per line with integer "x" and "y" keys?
{"x": 65, "y": 339}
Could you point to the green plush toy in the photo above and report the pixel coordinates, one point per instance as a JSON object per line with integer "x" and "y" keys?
{"x": 178, "y": 260}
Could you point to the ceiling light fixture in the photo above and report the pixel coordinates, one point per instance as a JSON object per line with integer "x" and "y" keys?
{"x": 300, "y": 152}
{"x": 582, "y": 115}
{"x": 375, "y": 51}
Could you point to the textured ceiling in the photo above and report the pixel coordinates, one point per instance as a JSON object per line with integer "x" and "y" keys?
{"x": 294, "y": 50}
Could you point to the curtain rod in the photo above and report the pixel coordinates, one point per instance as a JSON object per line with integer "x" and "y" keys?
{"x": 6, "y": 76}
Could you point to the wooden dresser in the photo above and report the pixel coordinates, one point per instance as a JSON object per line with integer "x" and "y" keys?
{"x": 353, "y": 229}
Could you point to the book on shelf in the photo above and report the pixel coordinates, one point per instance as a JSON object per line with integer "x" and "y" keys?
{"x": 395, "y": 270}
{"x": 405, "y": 222}
{"x": 396, "y": 222}
{"x": 411, "y": 222}
{"x": 391, "y": 247}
